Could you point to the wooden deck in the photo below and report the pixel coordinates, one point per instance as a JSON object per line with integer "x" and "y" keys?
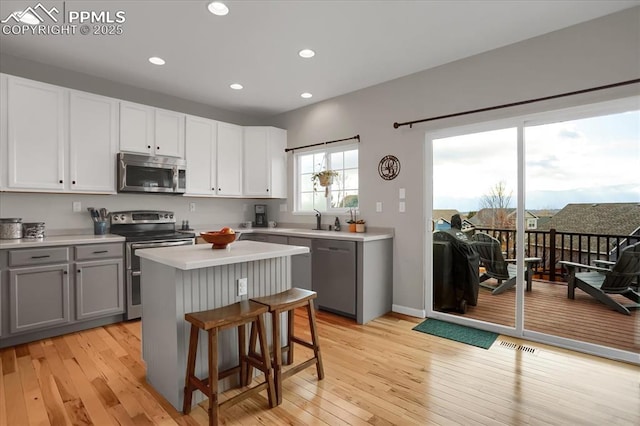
{"x": 548, "y": 310}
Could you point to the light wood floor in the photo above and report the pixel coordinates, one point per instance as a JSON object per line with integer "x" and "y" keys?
{"x": 381, "y": 373}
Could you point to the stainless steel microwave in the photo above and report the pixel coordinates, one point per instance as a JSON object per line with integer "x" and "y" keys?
{"x": 143, "y": 173}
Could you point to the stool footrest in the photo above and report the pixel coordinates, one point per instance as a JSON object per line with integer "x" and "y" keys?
{"x": 200, "y": 384}
{"x": 245, "y": 394}
{"x": 302, "y": 342}
{"x": 298, "y": 368}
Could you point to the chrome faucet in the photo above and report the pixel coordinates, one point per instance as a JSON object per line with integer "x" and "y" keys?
{"x": 318, "y": 220}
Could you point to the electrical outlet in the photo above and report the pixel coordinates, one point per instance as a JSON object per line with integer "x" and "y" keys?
{"x": 402, "y": 194}
{"x": 242, "y": 286}
{"x": 77, "y": 206}
{"x": 379, "y": 206}
{"x": 402, "y": 207}
{"x": 192, "y": 207}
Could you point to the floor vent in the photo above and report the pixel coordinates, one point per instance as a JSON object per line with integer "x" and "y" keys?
{"x": 516, "y": 347}
{"x": 508, "y": 345}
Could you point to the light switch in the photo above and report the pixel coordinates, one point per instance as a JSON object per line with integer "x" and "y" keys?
{"x": 77, "y": 206}
{"x": 402, "y": 194}
{"x": 378, "y": 206}
{"x": 401, "y": 207}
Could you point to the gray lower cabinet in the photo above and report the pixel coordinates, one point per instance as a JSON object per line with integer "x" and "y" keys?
{"x": 38, "y": 297}
{"x": 99, "y": 288}
{"x": 50, "y": 291}
{"x": 352, "y": 278}
{"x": 301, "y": 264}
{"x": 334, "y": 275}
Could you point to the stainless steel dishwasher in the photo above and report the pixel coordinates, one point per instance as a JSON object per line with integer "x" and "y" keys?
{"x": 334, "y": 276}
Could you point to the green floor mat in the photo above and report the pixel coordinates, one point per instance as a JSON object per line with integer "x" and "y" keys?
{"x": 459, "y": 333}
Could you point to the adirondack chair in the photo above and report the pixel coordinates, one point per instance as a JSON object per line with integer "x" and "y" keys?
{"x": 496, "y": 266}
{"x": 600, "y": 282}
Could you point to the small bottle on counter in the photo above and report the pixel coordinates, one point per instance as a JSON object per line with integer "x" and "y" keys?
{"x": 336, "y": 225}
{"x": 186, "y": 226}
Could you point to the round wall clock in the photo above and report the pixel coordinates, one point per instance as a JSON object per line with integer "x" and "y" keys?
{"x": 389, "y": 167}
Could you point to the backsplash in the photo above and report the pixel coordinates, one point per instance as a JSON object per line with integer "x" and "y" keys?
{"x": 56, "y": 209}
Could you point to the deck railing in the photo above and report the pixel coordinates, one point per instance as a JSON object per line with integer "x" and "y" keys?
{"x": 554, "y": 246}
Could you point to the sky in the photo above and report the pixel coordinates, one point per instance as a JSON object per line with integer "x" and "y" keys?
{"x": 581, "y": 161}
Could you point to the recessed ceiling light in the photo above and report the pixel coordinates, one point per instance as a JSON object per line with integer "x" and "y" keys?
{"x": 306, "y": 53}
{"x": 156, "y": 60}
{"x": 236, "y": 86}
{"x": 218, "y": 8}
{"x": 306, "y": 95}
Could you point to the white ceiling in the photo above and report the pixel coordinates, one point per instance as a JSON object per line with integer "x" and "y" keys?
{"x": 358, "y": 43}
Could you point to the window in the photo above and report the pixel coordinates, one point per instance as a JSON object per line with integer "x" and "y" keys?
{"x": 341, "y": 193}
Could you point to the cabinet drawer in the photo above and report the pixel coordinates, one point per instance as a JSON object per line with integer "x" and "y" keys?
{"x": 38, "y": 256}
{"x": 98, "y": 251}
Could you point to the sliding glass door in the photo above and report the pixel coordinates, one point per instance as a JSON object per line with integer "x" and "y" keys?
{"x": 474, "y": 194}
{"x": 535, "y": 196}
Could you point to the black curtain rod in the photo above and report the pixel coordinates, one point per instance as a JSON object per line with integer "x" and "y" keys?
{"x": 323, "y": 143}
{"x": 530, "y": 101}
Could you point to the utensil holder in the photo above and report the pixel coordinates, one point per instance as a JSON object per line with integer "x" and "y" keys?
{"x": 100, "y": 228}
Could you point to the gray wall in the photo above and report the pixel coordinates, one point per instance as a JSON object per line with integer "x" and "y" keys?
{"x": 88, "y": 83}
{"x": 599, "y": 52}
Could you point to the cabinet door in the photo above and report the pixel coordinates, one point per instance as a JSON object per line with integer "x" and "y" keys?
{"x": 229, "y": 164}
{"x": 93, "y": 134}
{"x": 38, "y": 297}
{"x": 278, "y": 166}
{"x": 136, "y": 128}
{"x": 36, "y": 135}
{"x": 201, "y": 137}
{"x": 169, "y": 132}
{"x": 99, "y": 288}
{"x": 334, "y": 275}
{"x": 3, "y": 131}
{"x": 256, "y": 162}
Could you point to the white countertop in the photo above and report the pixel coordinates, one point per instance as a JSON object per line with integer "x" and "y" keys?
{"x": 203, "y": 256}
{"x": 310, "y": 233}
{"x": 60, "y": 240}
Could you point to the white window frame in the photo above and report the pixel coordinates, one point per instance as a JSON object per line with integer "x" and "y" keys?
{"x": 327, "y": 150}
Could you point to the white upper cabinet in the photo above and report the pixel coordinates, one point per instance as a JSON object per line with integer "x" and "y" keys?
{"x": 3, "y": 131}
{"x": 229, "y": 161}
{"x": 200, "y": 152}
{"x": 36, "y": 135}
{"x": 93, "y": 142}
{"x": 265, "y": 162}
{"x": 151, "y": 131}
{"x": 136, "y": 128}
{"x": 169, "y": 133}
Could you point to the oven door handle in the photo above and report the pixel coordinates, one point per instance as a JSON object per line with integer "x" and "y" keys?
{"x": 136, "y": 246}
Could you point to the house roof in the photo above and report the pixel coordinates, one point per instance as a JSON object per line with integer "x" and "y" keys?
{"x": 444, "y": 214}
{"x": 603, "y": 218}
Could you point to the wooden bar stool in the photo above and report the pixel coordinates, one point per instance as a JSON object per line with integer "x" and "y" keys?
{"x": 287, "y": 301}
{"x": 214, "y": 320}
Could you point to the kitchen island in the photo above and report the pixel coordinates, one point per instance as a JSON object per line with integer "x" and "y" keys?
{"x": 179, "y": 280}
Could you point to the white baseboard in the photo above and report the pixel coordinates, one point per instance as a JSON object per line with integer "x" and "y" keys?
{"x": 418, "y": 313}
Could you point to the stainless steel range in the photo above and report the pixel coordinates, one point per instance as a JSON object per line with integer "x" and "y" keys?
{"x": 144, "y": 229}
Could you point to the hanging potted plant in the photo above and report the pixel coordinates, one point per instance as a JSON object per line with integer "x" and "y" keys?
{"x": 323, "y": 178}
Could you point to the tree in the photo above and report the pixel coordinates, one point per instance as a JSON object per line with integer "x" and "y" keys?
{"x": 495, "y": 207}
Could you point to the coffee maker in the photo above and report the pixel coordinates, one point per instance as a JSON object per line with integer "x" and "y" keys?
{"x": 261, "y": 215}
